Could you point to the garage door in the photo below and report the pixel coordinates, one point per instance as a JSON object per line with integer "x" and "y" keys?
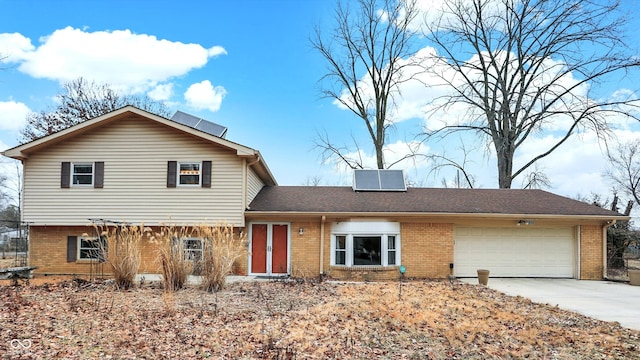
{"x": 514, "y": 252}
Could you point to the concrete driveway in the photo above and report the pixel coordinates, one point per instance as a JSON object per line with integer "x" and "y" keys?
{"x": 603, "y": 300}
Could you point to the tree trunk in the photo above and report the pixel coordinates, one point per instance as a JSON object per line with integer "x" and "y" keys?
{"x": 505, "y": 166}
{"x": 379, "y": 156}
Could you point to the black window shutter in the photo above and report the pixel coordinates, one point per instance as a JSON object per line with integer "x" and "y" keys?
{"x": 206, "y": 174}
{"x": 65, "y": 175}
{"x": 72, "y": 248}
{"x": 98, "y": 180}
{"x": 172, "y": 169}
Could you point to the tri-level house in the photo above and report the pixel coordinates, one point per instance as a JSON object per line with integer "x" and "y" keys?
{"x": 136, "y": 167}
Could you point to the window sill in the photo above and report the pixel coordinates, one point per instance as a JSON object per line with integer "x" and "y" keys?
{"x": 366, "y": 268}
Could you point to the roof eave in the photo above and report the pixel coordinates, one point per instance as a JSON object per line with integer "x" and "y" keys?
{"x": 439, "y": 215}
{"x": 257, "y": 163}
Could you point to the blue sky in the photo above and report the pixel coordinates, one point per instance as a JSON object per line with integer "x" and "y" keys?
{"x": 247, "y": 65}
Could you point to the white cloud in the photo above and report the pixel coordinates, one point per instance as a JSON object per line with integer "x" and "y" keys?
{"x": 161, "y": 92}
{"x": 204, "y": 95}
{"x": 12, "y": 115}
{"x": 217, "y": 51}
{"x": 127, "y": 61}
{"x": 14, "y": 47}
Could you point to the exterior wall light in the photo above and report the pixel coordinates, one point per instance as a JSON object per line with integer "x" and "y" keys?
{"x": 525, "y": 222}
{"x": 301, "y": 231}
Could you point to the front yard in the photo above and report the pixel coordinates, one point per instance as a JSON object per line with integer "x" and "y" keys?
{"x": 286, "y": 320}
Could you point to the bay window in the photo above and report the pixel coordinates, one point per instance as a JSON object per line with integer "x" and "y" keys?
{"x": 365, "y": 244}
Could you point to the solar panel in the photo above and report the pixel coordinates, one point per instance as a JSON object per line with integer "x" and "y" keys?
{"x": 379, "y": 180}
{"x": 199, "y": 124}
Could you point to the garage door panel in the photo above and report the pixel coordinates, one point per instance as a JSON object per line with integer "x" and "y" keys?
{"x": 514, "y": 252}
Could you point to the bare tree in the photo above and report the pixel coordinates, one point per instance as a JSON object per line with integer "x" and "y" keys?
{"x": 81, "y": 100}
{"x": 462, "y": 178}
{"x": 524, "y": 67}
{"x": 364, "y": 55}
{"x": 314, "y": 180}
{"x": 624, "y": 168}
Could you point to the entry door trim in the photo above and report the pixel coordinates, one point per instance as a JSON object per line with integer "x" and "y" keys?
{"x": 269, "y": 252}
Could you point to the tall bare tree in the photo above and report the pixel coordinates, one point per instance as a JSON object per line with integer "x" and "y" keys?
{"x": 81, "y": 100}
{"x": 364, "y": 55}
{"x": 525, "y": 67}
{"x": 624, "y": 168}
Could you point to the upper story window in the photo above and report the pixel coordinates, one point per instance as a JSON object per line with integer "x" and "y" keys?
{"x": 82, "y": 174}
{"x": 189, "y": 173}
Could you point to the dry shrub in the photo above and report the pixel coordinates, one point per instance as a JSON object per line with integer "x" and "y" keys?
{"x": 173, "y": 265}
{"x": 121, "y": 245}
{"x": 221, "y": 247}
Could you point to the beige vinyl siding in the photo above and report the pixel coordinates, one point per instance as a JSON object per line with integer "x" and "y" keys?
{"x": 254, "y": 184}
{"x": 135, "y": 154}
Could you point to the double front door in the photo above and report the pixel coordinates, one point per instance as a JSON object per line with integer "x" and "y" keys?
{"x": 269, "y": 249}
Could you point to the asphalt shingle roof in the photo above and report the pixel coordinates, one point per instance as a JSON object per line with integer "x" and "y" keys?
{"x": 322, "y": 199}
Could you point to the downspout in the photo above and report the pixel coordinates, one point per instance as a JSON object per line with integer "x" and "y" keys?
{"x": 245, "y": 187}
{"x": 579, "y": 259}
{"x": 322, "y": 220}
{"x": 604, "y": 246}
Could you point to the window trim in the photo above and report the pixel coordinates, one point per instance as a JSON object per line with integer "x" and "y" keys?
{"x": 200, "y": 172}
{"x": 186, "y": 250}
{"x": 96, "y": 251}
{"x": 349, "y": 258}
{"x": 72, "y": 173}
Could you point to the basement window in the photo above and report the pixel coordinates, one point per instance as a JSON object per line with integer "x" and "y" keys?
{"x": 91, "y": 248}
{"x": 192, "y": 249}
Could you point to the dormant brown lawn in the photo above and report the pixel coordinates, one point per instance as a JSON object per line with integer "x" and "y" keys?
{"x": 297, "y": 320}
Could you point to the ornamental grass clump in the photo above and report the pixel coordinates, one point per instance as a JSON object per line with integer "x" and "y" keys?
{"x": 120, "y": 248}
{"x": 174, "y": 267}
{"x": 221, "y": 248}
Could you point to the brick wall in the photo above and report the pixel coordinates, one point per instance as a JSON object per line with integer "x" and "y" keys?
{"x": 427, "y": 249}
{"x": 591, "y": 256}
{"x": 48, "y": 251}
{"x": 305, "y": 249}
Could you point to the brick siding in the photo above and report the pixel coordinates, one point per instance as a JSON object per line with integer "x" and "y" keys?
{"x": 426, "y": 250}
{"x": 48, "y": 252}
{"x": 591, "y": 266}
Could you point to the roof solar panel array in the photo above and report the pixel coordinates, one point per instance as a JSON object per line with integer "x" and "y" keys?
{"x": 379, "y": 180}
{"x": 199, "y": 124}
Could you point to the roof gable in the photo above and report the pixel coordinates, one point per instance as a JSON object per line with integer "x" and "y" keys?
{"x": 23, "y": 151}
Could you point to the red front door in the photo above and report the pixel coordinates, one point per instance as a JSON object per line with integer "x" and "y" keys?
{"x": 269, "y": 248}
{"x": 259, "y": 248}
{"x": 279, "y": 249}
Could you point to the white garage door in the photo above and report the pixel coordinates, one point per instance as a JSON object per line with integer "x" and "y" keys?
{"x": 514, "y": 252}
